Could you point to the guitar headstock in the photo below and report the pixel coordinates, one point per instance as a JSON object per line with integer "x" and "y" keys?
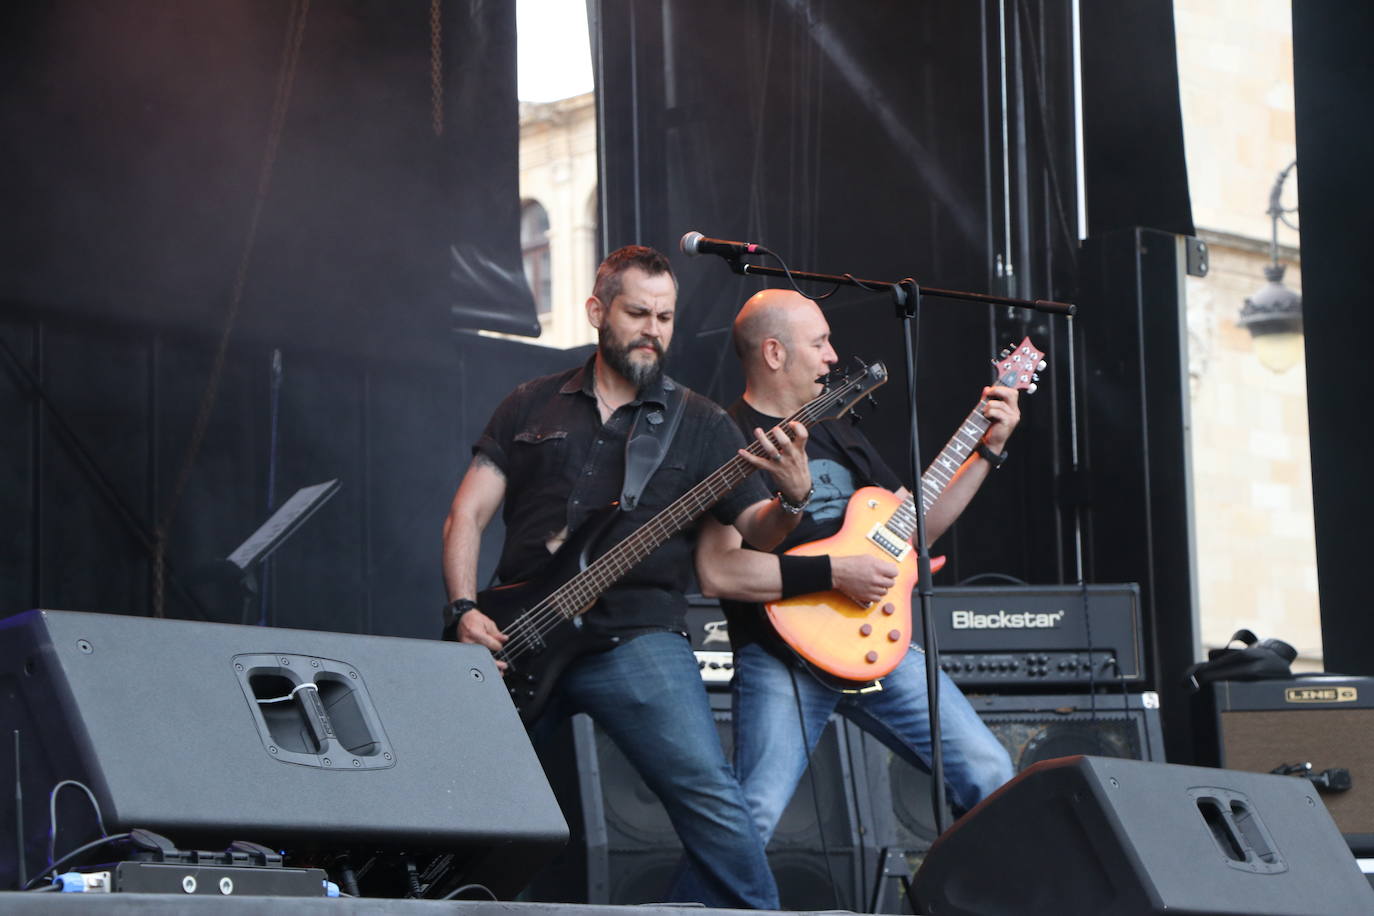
{"x": 843, "y": 388}
{"x": 1020, "y": 366}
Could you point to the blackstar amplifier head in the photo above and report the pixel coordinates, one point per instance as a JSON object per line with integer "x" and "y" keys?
{"x": 1039, "y": 635}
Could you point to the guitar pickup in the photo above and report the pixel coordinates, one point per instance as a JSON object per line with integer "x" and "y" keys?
{"x": 893, "y": 545}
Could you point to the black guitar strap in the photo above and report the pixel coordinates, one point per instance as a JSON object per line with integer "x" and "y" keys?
{"x": 647, "y": 444}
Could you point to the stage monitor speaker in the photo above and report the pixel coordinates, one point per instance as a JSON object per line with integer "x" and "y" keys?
{"x": 1326, "y": 721}
{"x": 309, "y": 742}
{"x": 624, "y": 849}
{"x": 1092, "y": 835}
{"x": 1031, "y": 728}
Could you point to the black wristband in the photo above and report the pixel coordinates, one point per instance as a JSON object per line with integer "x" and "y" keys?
{"x": 453, "y": 612}
{"x": 804, "y": 575}
{"x": 990, "y": 456}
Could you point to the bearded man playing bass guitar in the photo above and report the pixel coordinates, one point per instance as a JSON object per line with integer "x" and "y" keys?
{"x": 554, "y": 451}
{"x": 783, "y": 340}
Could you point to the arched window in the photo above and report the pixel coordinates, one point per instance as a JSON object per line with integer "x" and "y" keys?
{"x": 534, "y": 245}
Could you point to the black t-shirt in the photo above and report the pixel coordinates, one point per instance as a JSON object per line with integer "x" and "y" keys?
{"x": 842, "y": 460}
{"x": 562, "y": 464}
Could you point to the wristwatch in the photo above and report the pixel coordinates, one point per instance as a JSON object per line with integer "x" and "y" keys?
{"x": 792, "y": 508}
{"x": 453, "y": 612}
{"x": 989, "y": 455}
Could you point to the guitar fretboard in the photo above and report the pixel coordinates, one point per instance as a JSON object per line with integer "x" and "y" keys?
{"x": 581, "y": 591}
{"x": 942, "y": 470}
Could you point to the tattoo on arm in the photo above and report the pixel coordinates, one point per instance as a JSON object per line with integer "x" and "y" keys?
{"x": 480, "y": 460}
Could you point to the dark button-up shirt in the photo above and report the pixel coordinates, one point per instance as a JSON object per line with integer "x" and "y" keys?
{"x": 562, "y": 465}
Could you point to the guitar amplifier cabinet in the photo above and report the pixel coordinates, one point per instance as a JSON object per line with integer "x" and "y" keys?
{"x": 624, "y": 851}
{"x": 1032, "y": 728}
{"x": 1325, "y": 721}
{"x": 710, "y": 641}
{"x": 1039, "y": 636}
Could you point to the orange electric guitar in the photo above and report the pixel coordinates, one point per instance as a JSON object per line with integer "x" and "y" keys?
{"x": 836, "y": 635}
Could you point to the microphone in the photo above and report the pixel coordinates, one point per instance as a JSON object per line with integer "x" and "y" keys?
{"x": 694, "y": 243}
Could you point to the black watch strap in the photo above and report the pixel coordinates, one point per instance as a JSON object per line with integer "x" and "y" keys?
{"x": 990, "y": 456}
{"x": 453, "y": 612}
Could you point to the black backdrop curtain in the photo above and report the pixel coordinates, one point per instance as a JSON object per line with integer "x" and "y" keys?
{"x": 866, "y": 138}
{"x": 136, "y": 156}
{"x": 135, "y": 138}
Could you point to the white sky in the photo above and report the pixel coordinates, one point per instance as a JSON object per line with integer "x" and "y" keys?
{"x": 553, "y": 51}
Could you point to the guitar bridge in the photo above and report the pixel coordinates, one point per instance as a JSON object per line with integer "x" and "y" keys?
{"x": 894, "y": 546}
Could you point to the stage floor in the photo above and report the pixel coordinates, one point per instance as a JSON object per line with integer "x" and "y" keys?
{"x": 47, "y": 904}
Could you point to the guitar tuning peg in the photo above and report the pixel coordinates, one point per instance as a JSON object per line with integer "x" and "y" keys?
{"x": 854, "y": 416}
{"x": 1035, "y": 376}
{"x": 1030, "y": 389}
{"x": 1004, "y": 354}
{"x": 872, "y": 401}
{"x": 1042, "y": 365}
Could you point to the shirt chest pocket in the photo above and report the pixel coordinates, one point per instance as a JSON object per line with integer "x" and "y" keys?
{"x": 541, "y": 451}
{"x": 670, "y": 481}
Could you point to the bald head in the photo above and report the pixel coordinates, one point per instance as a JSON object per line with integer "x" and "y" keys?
{"x": 783, "y": 340}
{"x": 770, "y": 314}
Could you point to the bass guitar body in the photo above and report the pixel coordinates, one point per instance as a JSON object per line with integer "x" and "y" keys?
{"x": 548, "y": 639}
{"x": 832, "y": 632}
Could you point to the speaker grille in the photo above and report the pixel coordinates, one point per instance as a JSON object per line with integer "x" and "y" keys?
{"x": 641, "y": 852}
{"x": 1032, "y": 729}
{"x": 1261, "y": 740}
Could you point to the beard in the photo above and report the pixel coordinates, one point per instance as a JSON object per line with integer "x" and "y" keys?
{"x": 617, "y": 355}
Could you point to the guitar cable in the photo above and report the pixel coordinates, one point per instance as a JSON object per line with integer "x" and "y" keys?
{"x": 1143, "y": 741}
{"x": 811, "y": 778}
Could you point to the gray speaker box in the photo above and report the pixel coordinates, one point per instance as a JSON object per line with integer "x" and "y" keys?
{"x": 1092, "y": 835}
{"x": 310, "y": 742}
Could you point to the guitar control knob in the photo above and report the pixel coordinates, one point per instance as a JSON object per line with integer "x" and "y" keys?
{"x": 866, "y": 629}
{"x": 894, "y": 635}
{"x": 889, "y": 609}
{"x": 871, "y": 657}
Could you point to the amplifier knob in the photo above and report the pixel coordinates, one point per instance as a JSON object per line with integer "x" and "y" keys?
{"x": 894, "y": 635}
{"x": 871, "y": 657}
{"x": 889, "y": 609}
{"x": 866, "y": 629}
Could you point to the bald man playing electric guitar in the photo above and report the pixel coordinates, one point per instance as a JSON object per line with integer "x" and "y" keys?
{"x": 783, "y": 340}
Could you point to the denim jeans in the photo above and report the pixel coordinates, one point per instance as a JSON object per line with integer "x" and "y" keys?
{"x": 647, "y": 696}
{"x": 770, "y": 755}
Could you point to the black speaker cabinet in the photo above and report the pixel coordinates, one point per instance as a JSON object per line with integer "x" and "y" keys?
{"x": 1089, "y": 835}
{"x": 1325, "y": 721}
{"x": 1031, "y": 728}
{"x": 309, "y": 742}
{"x": 624, "y": 849}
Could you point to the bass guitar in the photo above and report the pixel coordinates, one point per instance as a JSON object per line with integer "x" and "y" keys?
{"x": 541, "y": 614}
{"x": 853, "y": 643}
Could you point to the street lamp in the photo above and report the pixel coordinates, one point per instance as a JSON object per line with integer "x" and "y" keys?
{"x": 1273, "y": 316}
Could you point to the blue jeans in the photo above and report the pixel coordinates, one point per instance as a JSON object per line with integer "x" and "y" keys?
{"x": 771, "y": 755}
{"x": 647, "y": 696}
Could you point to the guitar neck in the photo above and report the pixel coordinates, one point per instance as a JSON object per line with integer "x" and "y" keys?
{"x": 581, "y": 591}
{"x": 942, "y": 470}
